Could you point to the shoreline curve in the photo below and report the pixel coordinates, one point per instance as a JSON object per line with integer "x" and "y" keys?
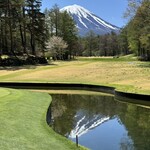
{"x": 76, "y": 86}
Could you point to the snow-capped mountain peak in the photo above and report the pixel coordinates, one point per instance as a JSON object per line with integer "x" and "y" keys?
{"x": 76, "y": 10}
{"x": 87, "y": 21}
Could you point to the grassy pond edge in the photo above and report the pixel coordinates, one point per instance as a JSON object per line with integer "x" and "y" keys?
{"x": 131, "y": 97}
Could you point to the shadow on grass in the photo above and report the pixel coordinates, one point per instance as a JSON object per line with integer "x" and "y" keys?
{"x": 108, "y": 59}
{"x": 14, "y": 68}
{"x": 144, "y": 65}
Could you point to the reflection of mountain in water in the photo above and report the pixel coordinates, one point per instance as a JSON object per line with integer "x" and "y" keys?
{"x": 83, "y": 122}
{"x": 77, "y": 114}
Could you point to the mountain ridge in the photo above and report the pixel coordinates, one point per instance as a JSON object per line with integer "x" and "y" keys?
{"x": 87, "y": 21}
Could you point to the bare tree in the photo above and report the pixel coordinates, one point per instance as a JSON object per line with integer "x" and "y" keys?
{"x": 131, "y": 10}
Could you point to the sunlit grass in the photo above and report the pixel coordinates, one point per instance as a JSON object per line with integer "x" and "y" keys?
{"x": 80, "y": 92}
{"x": 22, "y": 113}
{"x": 23, "y": 122}
{"x": 126, "y": 74}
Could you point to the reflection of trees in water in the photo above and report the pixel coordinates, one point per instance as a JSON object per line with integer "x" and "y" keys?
{"x": 60, "y": 106}
{"x": 126, "y": 143}
{"x": 135, "y": 119}
{"x": 137, "y": 122}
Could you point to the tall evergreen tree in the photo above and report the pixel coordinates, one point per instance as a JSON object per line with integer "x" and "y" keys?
{"x": 69, "y": 32}
{"x": 123, "y": 41}
{"x": 36, "y": 24}
{"x": 54, "y": 20}
{"x": 91, "y": 43}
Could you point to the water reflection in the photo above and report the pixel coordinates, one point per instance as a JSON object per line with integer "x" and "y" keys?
{"x": 100, "y": 122}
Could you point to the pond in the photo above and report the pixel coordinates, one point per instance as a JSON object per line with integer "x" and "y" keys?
{"x": 100, "y": 122}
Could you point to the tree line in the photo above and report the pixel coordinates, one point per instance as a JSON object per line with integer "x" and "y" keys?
{"x": 21, "y": 27}
{"x": 101, "y": 45}
{"x": 29, "y": 35}
{"x": 136, "y": 34}
{"x": 133, "y": 38}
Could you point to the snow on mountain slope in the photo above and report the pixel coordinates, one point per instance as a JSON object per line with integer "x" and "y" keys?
{"x": 87, "y": 21}
{"x": 83, "y": 123}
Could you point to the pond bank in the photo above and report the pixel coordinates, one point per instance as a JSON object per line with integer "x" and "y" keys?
{"x": 74, "y": 86}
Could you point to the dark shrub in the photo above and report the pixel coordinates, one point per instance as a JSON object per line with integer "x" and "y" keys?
{"x": 31, "y": 60}
{"x": 42, "y": 60}
{"x": 143, "y": 58}
{"x": 11, "y": 61}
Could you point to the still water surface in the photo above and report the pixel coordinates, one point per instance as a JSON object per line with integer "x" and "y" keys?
{"x": 100, "y": 122}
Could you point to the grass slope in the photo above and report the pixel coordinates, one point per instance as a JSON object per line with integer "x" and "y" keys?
{"x": 125, "y": 73}
{"x": 23, "y": 122}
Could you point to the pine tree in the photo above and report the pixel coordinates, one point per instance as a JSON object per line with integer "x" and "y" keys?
{"x": 69, "y": 33}
{"x": 123, "y": 41}
{"x": 35, "y": 24}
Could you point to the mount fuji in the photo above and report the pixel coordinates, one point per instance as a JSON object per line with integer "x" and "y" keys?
{"x": 87, "y": 21}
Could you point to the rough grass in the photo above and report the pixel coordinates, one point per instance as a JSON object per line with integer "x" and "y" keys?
{"x": 65, "y": 91}
{"x": 125, "y": 73}
{"x": 23, "y": 122}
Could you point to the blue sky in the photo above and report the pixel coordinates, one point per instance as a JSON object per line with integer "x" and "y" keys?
{"x": 109, "y": 10}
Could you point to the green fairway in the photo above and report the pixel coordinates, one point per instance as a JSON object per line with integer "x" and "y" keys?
{"x": 23, "y": 122}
